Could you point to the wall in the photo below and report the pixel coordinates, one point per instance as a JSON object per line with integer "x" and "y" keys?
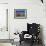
{"x": 3, "y": 1}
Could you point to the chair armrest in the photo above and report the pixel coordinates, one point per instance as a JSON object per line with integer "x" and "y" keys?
{"x": 24, "y": 32}
{"x": 22, "y": 35}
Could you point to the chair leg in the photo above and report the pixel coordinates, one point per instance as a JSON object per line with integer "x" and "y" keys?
{"x": 32, "y": 42}
{"x": 20, "y": 42}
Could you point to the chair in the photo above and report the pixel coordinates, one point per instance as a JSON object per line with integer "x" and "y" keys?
{"x": 33, "y": 30}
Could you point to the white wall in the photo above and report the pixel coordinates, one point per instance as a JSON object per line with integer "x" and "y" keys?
{"x": 3, "y": 1}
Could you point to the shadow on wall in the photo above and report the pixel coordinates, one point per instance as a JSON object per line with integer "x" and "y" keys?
{"x": 41, "y": 34}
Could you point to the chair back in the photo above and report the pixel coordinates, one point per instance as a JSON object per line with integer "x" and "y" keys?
{"x": 33, "y": 28}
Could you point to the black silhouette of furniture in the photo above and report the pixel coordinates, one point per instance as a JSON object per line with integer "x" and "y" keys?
{"x": 33, "y": 30}
{"x": 42, "y": 1}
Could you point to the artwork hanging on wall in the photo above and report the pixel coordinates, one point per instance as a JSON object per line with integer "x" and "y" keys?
{"x": 20, "y": 13}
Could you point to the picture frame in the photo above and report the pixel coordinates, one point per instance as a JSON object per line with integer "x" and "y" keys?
{"x": 20, "y": 13}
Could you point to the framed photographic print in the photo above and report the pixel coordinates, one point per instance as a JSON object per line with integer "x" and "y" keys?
{"x": 20, "y": 13}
